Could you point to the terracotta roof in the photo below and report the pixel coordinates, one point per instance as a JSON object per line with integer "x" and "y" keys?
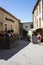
{"x": 35, "y": 5}
{"x": 8, "y": 13}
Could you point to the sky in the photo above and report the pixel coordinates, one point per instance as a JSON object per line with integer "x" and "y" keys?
{"x": 22, "y": 9}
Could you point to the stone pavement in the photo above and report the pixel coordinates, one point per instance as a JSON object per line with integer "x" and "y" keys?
{"x": 23, "y": 54}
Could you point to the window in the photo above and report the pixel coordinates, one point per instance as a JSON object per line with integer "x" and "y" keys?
{"x": 42, "y": 15}
{"x": 42, "y": 3}
{"x": 11, "y": 27}
{"x": 39, "y": 7}
{"x": 39, "y": 22}
{"x": 1, "y": 23}
{"x": 5, "y": 27}
{"x": 37, "y": 11}
{"x": 26, "y": 26}
{"x": 42, "y": 9}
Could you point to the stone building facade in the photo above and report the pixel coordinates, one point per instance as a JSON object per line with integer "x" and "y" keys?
{"x": 8, "y": 21}
{"x": 37, "y": 15}
{"x": 27, "y": 26}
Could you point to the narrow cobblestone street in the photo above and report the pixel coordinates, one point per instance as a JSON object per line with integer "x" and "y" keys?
{"x": 24, "y": 54}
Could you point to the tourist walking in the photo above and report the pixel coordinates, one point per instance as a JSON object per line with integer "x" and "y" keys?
{"x": 39, "y": 38}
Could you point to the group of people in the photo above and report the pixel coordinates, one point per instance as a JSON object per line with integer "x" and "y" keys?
{"x": 36, "y": 38}
{"x": 6, "y": 34}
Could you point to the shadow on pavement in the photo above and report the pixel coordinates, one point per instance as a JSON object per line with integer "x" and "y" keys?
{"x": 8, "y": 53}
